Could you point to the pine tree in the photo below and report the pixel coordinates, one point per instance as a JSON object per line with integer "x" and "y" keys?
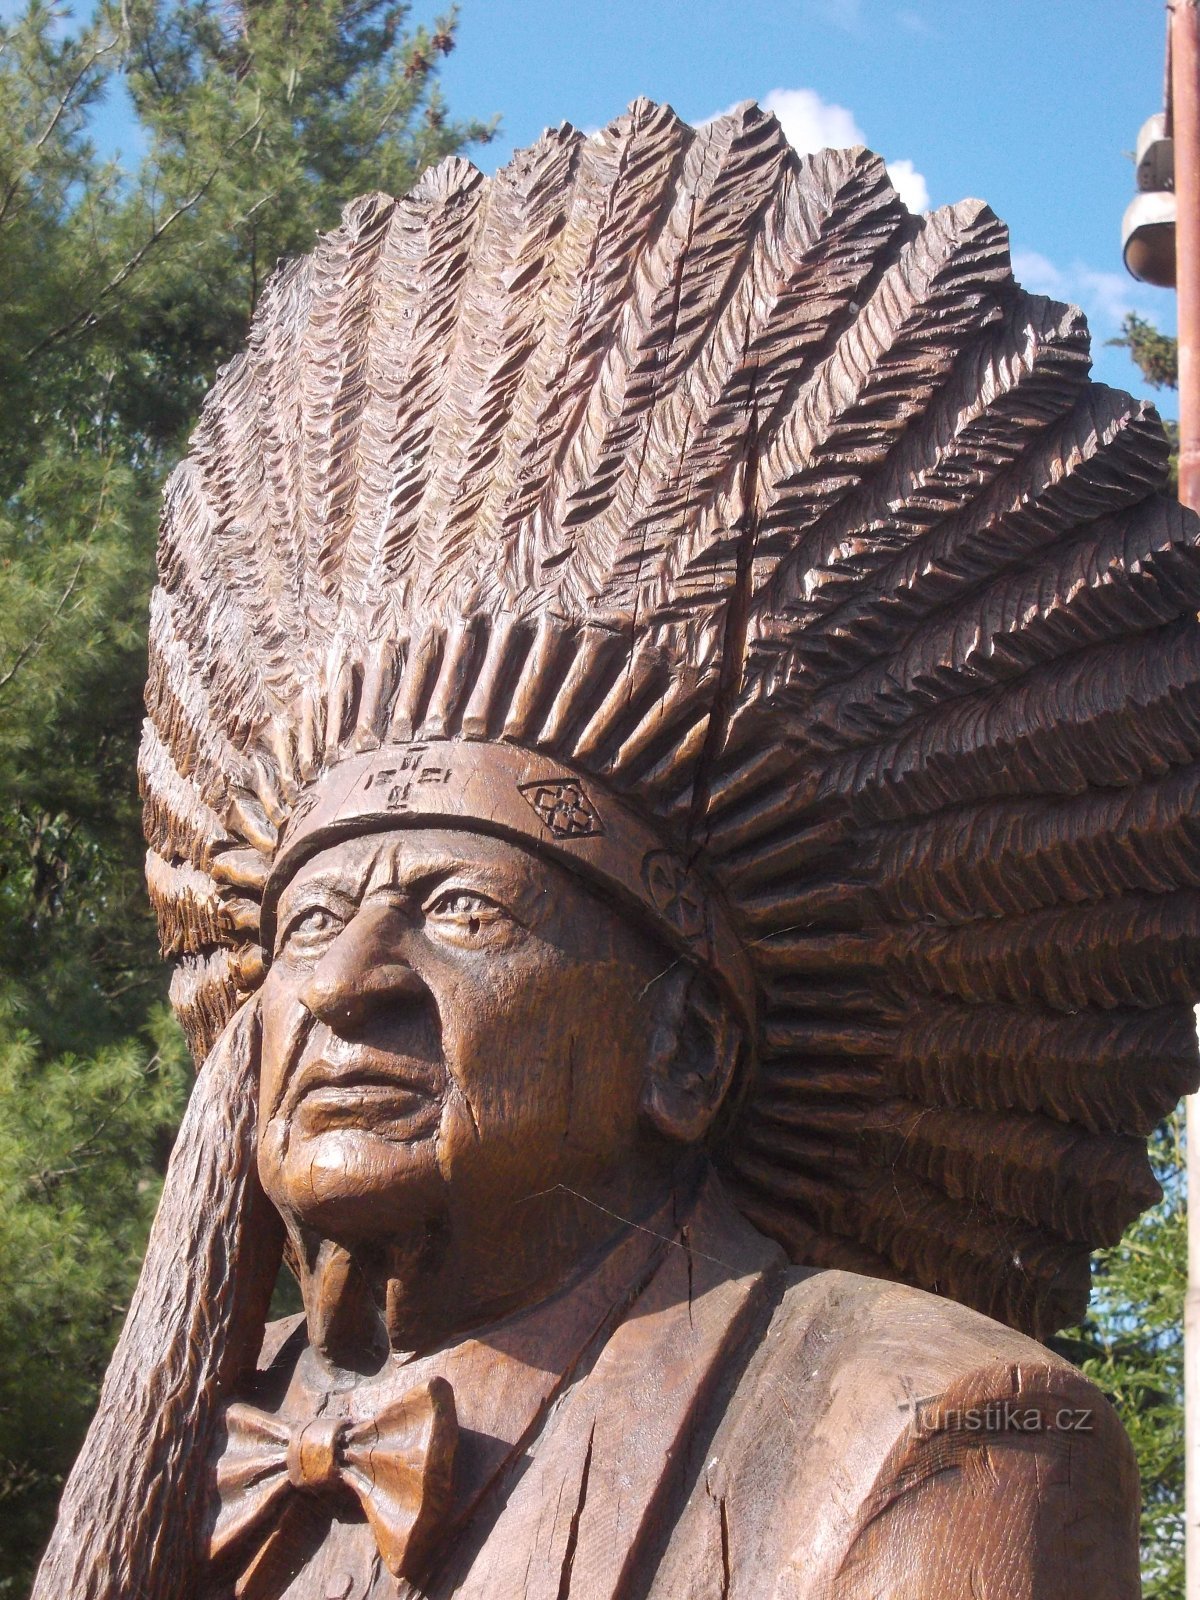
{"x": 125, "y": 288}
{"x": 1131, "y": 1344}
{"x": 1155, "y": 354}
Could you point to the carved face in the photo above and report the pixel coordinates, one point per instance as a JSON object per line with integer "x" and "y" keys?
{"x": 449, "y": 1022}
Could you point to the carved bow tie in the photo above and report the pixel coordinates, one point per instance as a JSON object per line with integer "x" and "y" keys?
{"x": 398, "y": 1464}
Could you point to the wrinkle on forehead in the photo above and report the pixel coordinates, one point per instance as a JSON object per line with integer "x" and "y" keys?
{"x": 404, "y": 859}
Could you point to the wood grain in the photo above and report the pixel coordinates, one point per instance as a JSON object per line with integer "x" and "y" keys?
{"x": 777, "y": 526}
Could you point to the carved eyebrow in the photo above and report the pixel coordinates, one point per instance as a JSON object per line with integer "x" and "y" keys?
{"x": 324, "y": 888}
{"x": 341, "y": 881}
{"x": 400, "y": 868}
{"x": 510, "y": 887}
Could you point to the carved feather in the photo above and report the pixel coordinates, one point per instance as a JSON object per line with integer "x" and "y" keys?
{"x": 790, "y": 517}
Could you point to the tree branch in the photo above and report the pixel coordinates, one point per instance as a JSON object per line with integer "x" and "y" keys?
{"x": 49, "y": 1177}
{"x": 56, "y": 117}
{"x": 89, "y": 316}
{"x": 33, "y": 645}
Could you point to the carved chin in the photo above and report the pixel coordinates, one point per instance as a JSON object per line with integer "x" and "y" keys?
{"x": 370, "y": 1176}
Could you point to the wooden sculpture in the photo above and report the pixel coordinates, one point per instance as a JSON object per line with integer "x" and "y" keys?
{"x": 674, "y": 712}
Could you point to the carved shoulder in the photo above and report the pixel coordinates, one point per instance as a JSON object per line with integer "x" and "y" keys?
{"x": 1017, "y": 1479}
{"x": 867, "y": 1450}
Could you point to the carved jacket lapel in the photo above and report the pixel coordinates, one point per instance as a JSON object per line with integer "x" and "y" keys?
{"x": 582, "y": 1517}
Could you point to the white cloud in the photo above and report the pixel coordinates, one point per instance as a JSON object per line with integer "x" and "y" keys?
{"x": 846, "y": 14}
{"x": 909, "y": 184}
{"x": 1109, "y": 292}
{"x": 913, "y": 22}
{"x": 1036, "y": 272}
{"x": 810, "y": 123}
{"x": 1106, "y": 297}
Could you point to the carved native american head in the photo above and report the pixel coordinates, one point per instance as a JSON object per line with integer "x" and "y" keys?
{"x": 690, "y": 517}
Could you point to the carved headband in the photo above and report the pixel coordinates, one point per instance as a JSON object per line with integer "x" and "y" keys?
{"x": 868, "y": 578}
{"x": 531, "y": 800}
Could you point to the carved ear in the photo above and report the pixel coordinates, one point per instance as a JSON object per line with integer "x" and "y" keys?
{"x": 694, "y": 1049}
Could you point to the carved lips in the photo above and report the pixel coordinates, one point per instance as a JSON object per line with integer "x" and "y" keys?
{"x": 399, "y": 1097}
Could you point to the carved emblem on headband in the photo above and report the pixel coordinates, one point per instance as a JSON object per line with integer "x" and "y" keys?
{"x": 498, "y": 598}
{"x": 675, "y": 894}
{"x": 563, "y": 807}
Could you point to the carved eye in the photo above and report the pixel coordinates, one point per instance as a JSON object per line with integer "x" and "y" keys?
{"x": 464, "y": 911}
{"x": 310, "y": 929}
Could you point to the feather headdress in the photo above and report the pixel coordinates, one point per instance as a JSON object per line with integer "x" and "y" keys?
{"x": 775, "y": 549}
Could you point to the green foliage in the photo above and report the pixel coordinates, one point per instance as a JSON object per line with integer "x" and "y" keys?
{"x": 1155, "y": 354}
{"x": 125, "y": 287}
{"x": 1132, "y": 1341}
{"x": 1132, "y": 1345}
{"x": 1157, "y": 357}
{"x": 79, "y": 1143}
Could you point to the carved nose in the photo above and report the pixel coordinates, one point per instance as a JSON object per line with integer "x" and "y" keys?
{"x": 361, "y": 972}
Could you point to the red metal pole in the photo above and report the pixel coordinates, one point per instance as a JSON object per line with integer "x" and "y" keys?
{"x": 1183, "y": 54}
{"x": 1185, "y": 120}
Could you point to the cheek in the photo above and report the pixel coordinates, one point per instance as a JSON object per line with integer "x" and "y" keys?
{"x": 285, "y": 1023}
{"x": 554, "y": 1046}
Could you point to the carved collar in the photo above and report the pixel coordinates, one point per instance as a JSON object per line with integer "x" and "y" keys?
{"x": 505, "y": 1378}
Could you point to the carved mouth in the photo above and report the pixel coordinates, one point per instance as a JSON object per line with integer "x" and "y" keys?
{"x": 396, "y": 1094}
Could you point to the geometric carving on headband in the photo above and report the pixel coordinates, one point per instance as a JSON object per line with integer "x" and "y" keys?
{"x": 870, "y": 592}
{"x": 674, "y": 893}
{"x": 563, "y": 807}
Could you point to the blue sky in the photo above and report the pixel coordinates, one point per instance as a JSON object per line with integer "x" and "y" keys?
{"x": 1031, "y": 104}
